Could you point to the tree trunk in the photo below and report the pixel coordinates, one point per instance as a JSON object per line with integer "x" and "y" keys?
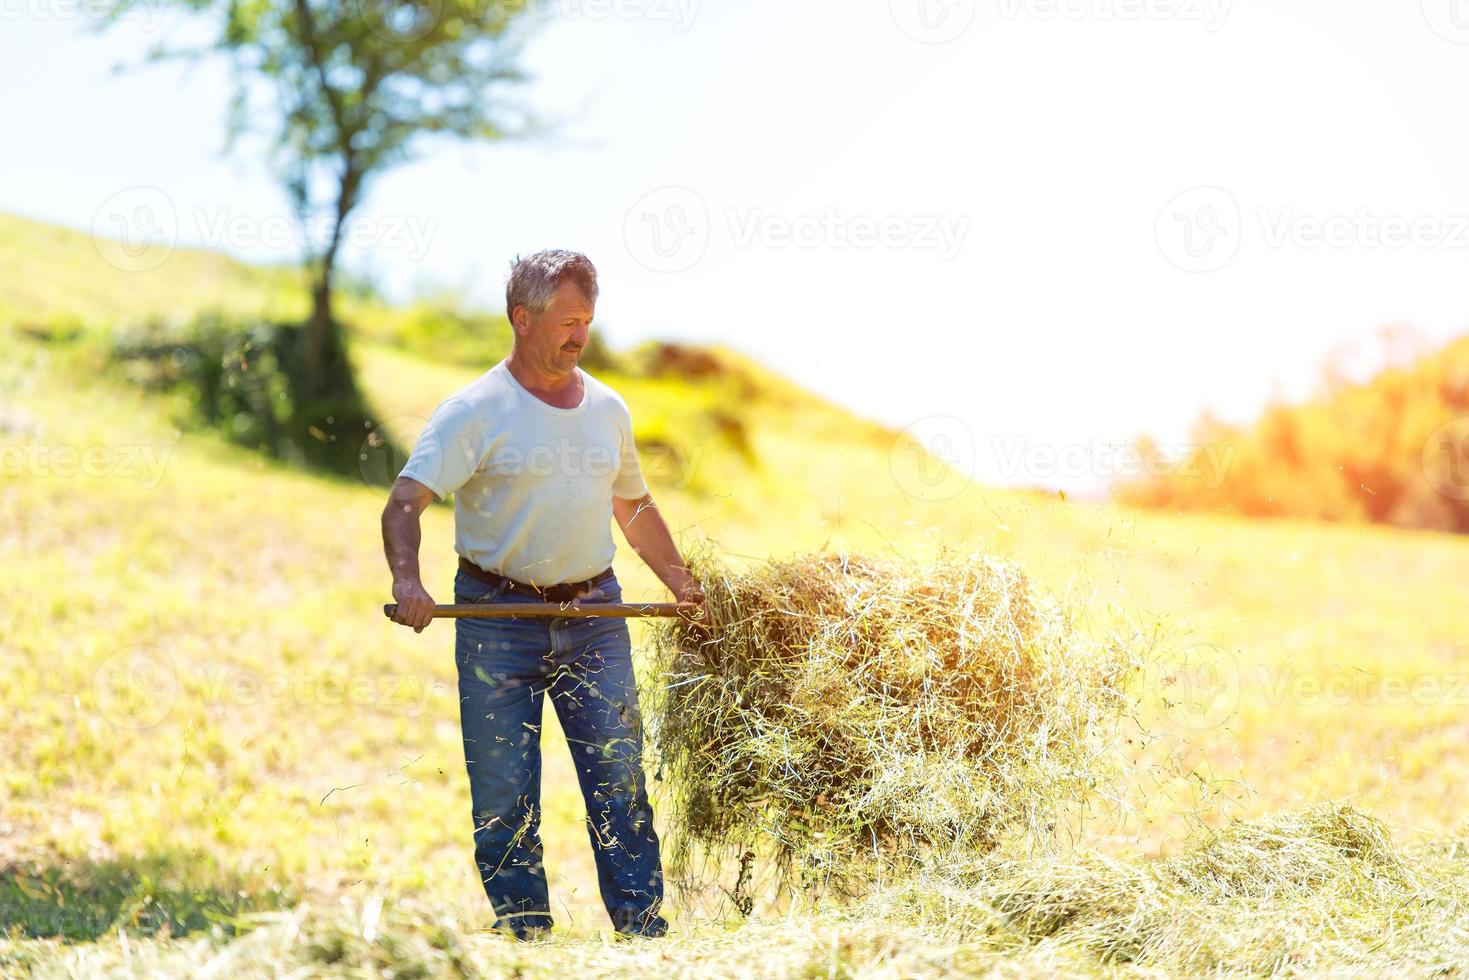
{"x": 329, "y": 418}
{"x": 323, "y": 338}
{"x": 320, "y": 340}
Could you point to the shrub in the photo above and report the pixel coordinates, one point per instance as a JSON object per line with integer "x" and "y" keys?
{"x": 245, "y": 378}
{"x": 1391, "y": 450}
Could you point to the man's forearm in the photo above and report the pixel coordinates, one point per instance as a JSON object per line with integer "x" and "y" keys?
{"x": 648, "y": 533}
{"x": 401, "y": 532}
{"x": 402, "y": 535}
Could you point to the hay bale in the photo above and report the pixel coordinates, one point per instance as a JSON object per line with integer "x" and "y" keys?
{"x": 838, "y": 708}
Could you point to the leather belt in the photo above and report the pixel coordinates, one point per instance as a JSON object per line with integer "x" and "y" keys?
{"x": 561, "y": 592}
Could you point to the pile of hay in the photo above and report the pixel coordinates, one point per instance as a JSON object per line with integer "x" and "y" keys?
{"x": 1296, "y": 892}
{"x": 837, "y": 709}
{"x": 1310, "y": 893}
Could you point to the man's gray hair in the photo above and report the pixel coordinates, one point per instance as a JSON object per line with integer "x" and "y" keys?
{"x": 534, "y": 279}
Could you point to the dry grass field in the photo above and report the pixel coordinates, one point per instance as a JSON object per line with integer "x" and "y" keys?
{"x": 217, "y": 757}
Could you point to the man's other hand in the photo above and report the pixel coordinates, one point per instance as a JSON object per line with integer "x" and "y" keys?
{"x": 415, "y": 605}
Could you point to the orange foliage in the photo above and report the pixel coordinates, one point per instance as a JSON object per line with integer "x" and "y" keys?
{"x": 1391, "y": 450}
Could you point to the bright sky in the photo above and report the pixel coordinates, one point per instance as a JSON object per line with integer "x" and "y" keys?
{"x": 977, "y": 209}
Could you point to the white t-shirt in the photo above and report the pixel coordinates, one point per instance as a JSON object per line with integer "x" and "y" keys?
{"x": 532, "y": 483}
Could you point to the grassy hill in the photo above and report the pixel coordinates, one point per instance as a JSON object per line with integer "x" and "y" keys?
{"x": 57, "y": 278}
{"x": 206, "y": 716}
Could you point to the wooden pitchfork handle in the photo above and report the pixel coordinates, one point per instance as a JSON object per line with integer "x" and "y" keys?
{"x": 512, "y": 610}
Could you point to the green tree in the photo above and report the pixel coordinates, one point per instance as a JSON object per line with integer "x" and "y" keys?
{"x": 342, "y": 90}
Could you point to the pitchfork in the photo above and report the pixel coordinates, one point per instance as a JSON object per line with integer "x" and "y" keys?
{"x": 512, "y": 610}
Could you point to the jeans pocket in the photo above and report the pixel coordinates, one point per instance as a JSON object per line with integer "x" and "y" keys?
{"x": 608, "y": 591}
{"x": 469, "y": 591}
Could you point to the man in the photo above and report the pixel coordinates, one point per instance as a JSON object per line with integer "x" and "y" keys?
{"x": 540, "y": 459}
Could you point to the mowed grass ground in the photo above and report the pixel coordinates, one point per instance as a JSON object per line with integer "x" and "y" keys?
{"x": 205, "y": 713}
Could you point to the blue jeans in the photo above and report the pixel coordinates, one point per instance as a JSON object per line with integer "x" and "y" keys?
{"x": 506, "y": 666}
